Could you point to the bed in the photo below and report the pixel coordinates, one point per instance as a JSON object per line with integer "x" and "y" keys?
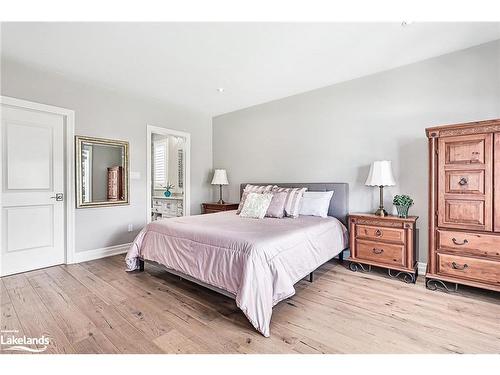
{"x": 256, "y": 262}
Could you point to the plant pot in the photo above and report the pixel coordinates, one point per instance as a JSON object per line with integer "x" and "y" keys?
{"x": 403, "y": 211}
{"x": 167, "y": 193}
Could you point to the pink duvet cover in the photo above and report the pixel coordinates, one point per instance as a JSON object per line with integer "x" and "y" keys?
{"x": 258, "y": 261}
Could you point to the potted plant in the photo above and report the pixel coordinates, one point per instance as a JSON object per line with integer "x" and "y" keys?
{"x": 402, "y": 203}
{"x": 167, "y": 193}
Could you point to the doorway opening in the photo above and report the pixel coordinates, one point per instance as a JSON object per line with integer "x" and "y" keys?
{"x": 168, "y": 171}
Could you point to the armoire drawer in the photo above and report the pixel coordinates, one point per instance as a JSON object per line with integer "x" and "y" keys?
{"x": 464, "y": 213}
{"x": 477, "y": 244}
{"x": 476, "y": 269}
{"x": 464, "y": 181}
{"x": 390, "y": 254}
{"x": 380, "y": 234}
{"x": 465, "y": 150}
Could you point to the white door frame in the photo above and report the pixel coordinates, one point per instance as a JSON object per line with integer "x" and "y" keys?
{"x": 69, "y": 160}
{"x": 187, "y": 167}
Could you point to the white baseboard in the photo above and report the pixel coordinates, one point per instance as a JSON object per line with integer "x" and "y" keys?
{"x": 422, "y": 268}
{"x": 85, "y": 256}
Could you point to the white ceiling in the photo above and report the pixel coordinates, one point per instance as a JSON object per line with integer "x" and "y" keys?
{"x": 185, "y": 63}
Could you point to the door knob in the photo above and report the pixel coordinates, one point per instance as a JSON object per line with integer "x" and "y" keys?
{"x": 59, "y": 197}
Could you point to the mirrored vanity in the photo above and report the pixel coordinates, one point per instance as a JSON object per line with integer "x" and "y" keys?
{"x": 102, "y": 172}
{"x": 167, "y": 175}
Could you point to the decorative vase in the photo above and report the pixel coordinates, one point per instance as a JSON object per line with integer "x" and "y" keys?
{"x": 403, "y": 211}
{"x": 167, "y": 193}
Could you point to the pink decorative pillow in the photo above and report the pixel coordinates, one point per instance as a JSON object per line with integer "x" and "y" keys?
{"x": 256, "y": 205}
{"x": 253, "y": 189}
{"x": 277, "y": 206}
{"x": 293, "y": 199}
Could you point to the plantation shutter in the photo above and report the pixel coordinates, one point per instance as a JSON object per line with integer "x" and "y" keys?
{"x": 160, "y": 172}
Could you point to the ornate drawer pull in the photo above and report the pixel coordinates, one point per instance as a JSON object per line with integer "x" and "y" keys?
{"x": 465, "y": 242}
{"x": 378, "y": 233}
{"x": 377, "y": 251}
{"x": 458, "y": 267}
{"x": 463, "y": 181}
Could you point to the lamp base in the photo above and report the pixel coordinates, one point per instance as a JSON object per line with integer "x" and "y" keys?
{"x": 221, "y": 201}
{"x": 381, "y": 212}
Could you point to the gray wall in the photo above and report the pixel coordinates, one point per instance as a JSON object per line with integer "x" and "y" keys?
{"x": 334, "y": 133}
{"x": 106, "y": 113}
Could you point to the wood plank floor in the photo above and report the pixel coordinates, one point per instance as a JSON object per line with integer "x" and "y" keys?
{"x": 96, "y": 307}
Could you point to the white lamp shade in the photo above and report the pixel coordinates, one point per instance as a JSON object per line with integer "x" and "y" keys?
{"x": 220, "y": 177}
{"x": 380, "y": 174}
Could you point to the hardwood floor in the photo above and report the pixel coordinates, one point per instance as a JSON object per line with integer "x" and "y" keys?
{"x": 96, "y": 307}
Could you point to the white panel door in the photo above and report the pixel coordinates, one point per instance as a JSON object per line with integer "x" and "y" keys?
{"x": 33, "y": 218}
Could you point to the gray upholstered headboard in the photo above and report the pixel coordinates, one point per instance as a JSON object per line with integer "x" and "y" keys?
{"x": 339, "y": 205}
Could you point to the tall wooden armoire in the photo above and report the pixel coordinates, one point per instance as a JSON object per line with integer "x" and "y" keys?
{"x": 464, "y": 205}
{"x": 115, "y": 183}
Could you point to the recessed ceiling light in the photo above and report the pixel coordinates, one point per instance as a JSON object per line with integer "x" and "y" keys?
{"x": 406, "y": 23}
{"x": 221, "y": 89}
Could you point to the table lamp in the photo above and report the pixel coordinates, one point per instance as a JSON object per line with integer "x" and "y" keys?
{"x": 220, "y": 178}
{"x": 380, "y": 175}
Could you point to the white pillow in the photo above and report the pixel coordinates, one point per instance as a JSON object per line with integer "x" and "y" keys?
{"x": 256, "y": 205}
{"x": 316, "y": 203}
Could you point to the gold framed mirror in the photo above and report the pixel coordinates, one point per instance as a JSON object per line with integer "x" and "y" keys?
{"x": 102, "y": 172}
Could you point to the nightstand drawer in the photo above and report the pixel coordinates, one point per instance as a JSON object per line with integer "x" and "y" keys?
{"x": 390, "y": 254}
{"x": 380, "y": 233}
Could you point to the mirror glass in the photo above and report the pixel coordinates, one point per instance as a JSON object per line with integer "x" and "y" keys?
{"x": 167, "y": 175}
{"x": 102, "y": 172}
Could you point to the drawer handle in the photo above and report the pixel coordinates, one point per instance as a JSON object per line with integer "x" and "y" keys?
{"x": 459, "y": 267}
{"x": 377, "y": 251}
{"x": 378, "y": 233}
{"x": 475, "y": 157}
{"x": 465, "y": 242}
{"x": 463, "y": 181}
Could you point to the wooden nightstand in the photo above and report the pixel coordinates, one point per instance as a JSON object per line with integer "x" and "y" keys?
{"x": 210, "y": 208}
{"x": 388, "y": 242}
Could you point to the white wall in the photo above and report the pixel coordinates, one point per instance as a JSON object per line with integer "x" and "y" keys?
{"x": 334, "y": 133}
{"x": 106, "y": 113}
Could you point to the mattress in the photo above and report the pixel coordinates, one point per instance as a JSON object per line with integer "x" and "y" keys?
{"x": 257, "y": 261}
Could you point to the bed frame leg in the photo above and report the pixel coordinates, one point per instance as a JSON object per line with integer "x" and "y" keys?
{"x": 141, "y": 265}
{"x": 311, "y": 277}
{"x": 341, "y": 256}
